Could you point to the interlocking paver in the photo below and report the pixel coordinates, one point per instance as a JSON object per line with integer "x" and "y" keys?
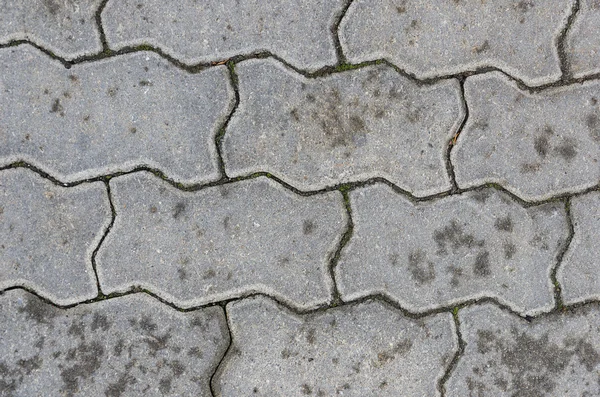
{"x": 365, "y": 349}
{"x": 583, "y": 42}
{"x": 579, "y": 273}
{"x": 557, "y": 355}
{"x": 438, "y": 253}
{"x": 346, "y": 127}
{"x": 221, "y": 242}
{"x": 48, "y": 233}
{"x": 536, "y": 145}
{"x": 297, "y": 31}
{"x": 125, "y": 346}
{"x": 110, "y": 115}
{"x": 66, "y": 28}
{"x": 438, "y": 38}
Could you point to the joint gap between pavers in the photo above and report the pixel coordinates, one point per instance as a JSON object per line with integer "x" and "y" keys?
{"x": 101, "y": 33}
{"x": 457, "y": 356}
{"x": 335, "y": 28}
{"x": 558, "y": 300}
{"x": 113, "y": 216}
{"x": 452, "y": 141}
{"x": 214, "y": 377}
{"x": 234, "y": 81}
{"x": 336, "y": 298}
{"x": 563, "y": 58}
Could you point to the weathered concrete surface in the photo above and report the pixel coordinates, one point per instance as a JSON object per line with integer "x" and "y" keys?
{"x": 125, "y": 346}
{"x": 221, "y": 242}
{"x": 583, "y": 42}
{"x": 360, "y": 350}
{"x": 351, "y": 126}
{"x": 48, "y": 234}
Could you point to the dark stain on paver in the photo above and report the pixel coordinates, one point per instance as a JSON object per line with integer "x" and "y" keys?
{"x": 306, "y": 389}
{"x": 52, "y": 5}
{"x": 57, "y": 107}
{"x": 118, "y": 348}
{"x": 177, "y": 367}
{"x": 182, "y": 274}
{"x": 481, "y": 266}
{"x": 226, "y": 222}
{"x": 592, "y": 121}
{"x": 100, "y": 321}
{"x": 504, "y": 224}
{"x": 30, "y": 364}
{"x": 485, "y": 46}
{"x": 541, "y": 146}
{"x": 421, "y": 270}
{"x": 308, "y": 227}
{"x": 156, "y": 343}
{"x": 146, "y": 324}
{"x": 452, "y": 235}
{"x": 112, "y": 92}
{"x": 525, "y": 5}
{"x": 210, "y": 273}
{"x": 164, "y": 385}
{"x": 178, "y": 209}
{"x": 400, "y": 349}
{"x": 311, "y": 337}
{"x": 38, "y": 311}
{"x": 119, "y": 387}
{"x": 195, "y": 352}
{"x": 509, "y": 250}
{"x": 567, "y": 149}
{"x": 481, "y": 196}
{"x": 77, "y": 328}
{"x": 88, "y": 359}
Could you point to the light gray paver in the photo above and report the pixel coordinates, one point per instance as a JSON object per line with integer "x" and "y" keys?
{"x": 438, "y": 253}
{"x": 557, "y": 355}
{"x": 438, "y": 38}
{"x": 297, "y": 31}
{"x": 350, "y": 126}
{"x": 220, "y": 242}
{"x": 66, "y": 28}
{"x": 48, "y": 234}
{"x": 579, "y": 273}
{"x": 536, "y": 145}
{"x": 110, "y": 115}
{"x": 365, "y": 349}
{"x": 582, "y": 45}
{"x": 128, "y": 346}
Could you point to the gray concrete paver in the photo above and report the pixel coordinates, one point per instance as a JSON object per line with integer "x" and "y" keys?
{"x": 583, "y": 43}
{"x": 365, "y": 349}
{"x": 220, "y": 242}
{"x": 48, "y": 234}
{"x": 438, "y": 38}
{"x": 111, "y": 115}
{"x": 297, "y": 31}
{"x": 536, "y": 145}
{"x": 128, "y": 346}
{"x": 66, "y": 28}
{"x": 439, "y": 253}
{"x": 350, "y": 126}
{"x": 557, "y": 355}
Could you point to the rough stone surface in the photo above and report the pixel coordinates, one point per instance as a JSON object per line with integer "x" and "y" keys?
{"x": 583, "y": 42}
{"x": 551, "y": 138}
{"x": 128, "y": 346}
{"x": 579, "y": 273}
{"x": 439, "y": 253}
{"x": 297, "y": 31}
{"x": 367, "y": 349}
{"x": 66, "y": 28}
{"x": 346, "y": 127}
{"x": 110, "y": 115}
{"x": 557, "y": 355}
{"x": 48, "y": 234}
{"x": 438, "y": 38}
{"x": 221, "y": 242}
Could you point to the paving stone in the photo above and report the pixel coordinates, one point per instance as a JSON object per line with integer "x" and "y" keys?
{"x": 365, "y": 349}
{"x": 556, "y": 355}
{"x": 299, "y": 32}
{"x": 110, "y": 115}
{"x": 125, "y": 346}
{"x": 551, "y": 138}
{"x": 48, "y": 234}
{"x": 221, "y": 242}
{"x": 579, "y": 273}
{"x": 582, "y": 45}
{"x": 66, "y": 28}
{"x": 345, "y": 127}
{"x": 434, "y": 254}
{"x": 432, "y": 39}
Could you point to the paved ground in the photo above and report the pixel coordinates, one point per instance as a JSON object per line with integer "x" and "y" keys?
{"x": 295, "y": 198}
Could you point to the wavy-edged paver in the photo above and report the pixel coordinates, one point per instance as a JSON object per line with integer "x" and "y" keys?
{"x": 192, "y": 32}
{"x": 221, "y": 242}
{"x": 579, "y": 273}
{"x": 66, "y": 28}
{"x": 435, "y": 254}
{"x": 125, "y": 346}
{"x": 48, "y": 234}
{"x": 365, "y": 349}
{"x": 370, "y": 122}
{"x": 556, "y": 355}
{"x": 582, "y": 45}
{"x": 445, "y": 37}
{"x": 110, "y": 115}
{"x": 536, "y": 145}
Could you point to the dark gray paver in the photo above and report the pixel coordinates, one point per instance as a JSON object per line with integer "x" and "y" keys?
{"x": 64, "y": 27}
{"x": 557, "y": 355}
{"x": 221, "y": 242}
{"x": 579, "y": 274}
{"x": 367, "y": 349}
{"x": 583, "y": 42}
{"x": 536, "y": 145}
{"x": 463, "y": 247}
{"x": 192, "y": 32}
{"x": 48, "y": 234}
{"x": 110, "y": 115}
{"x": 346, "y": 127}
{"x": 444, "y": 37}
{"x": 128, "y": 346}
